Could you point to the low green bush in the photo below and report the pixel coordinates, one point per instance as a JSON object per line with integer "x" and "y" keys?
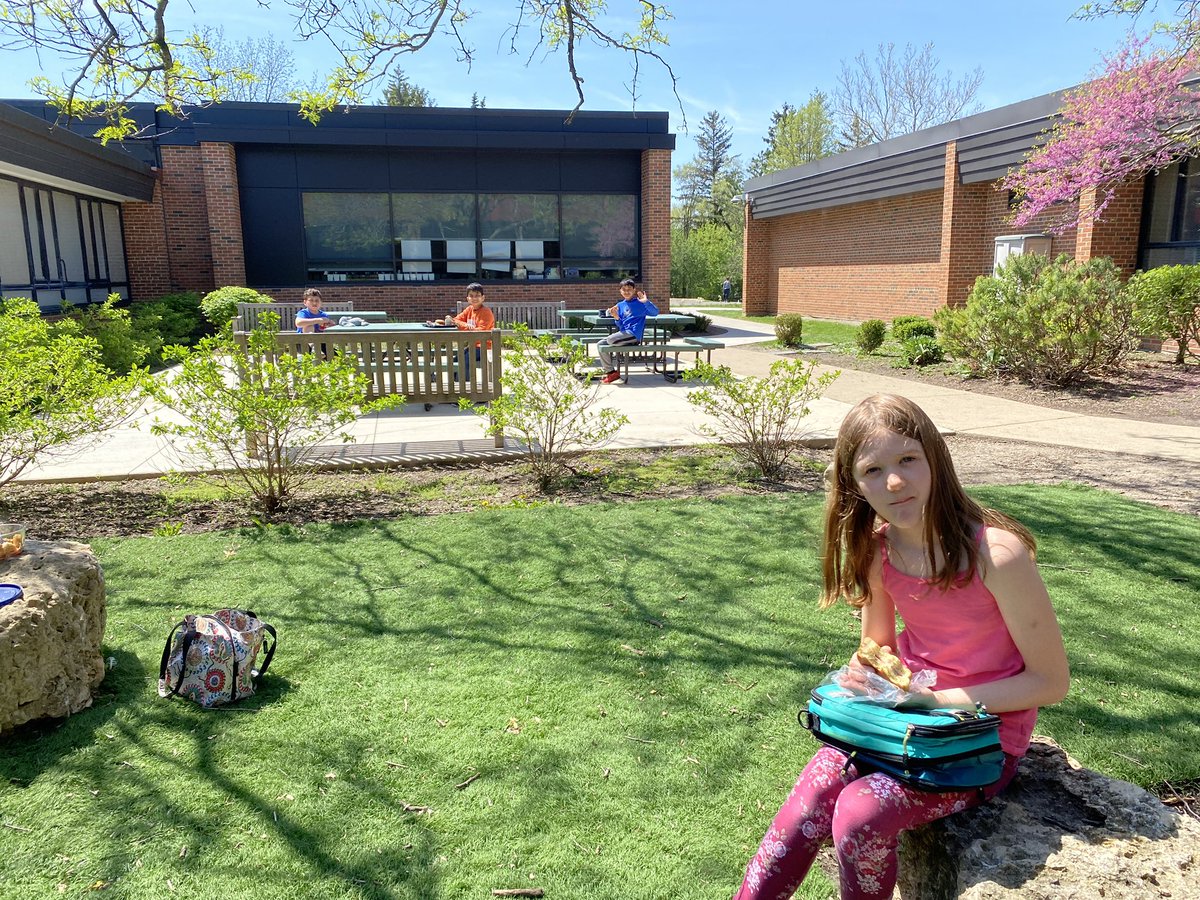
{"x": 1043, "y": 321}
{"x": 121, "y": 349}
{"x": 870, "y": 334}
{"x": 1166, "y": 304}
{"x": 921, "y": 350}
{"x": 906, "y": 327}
{"x": 789, "y": 329}
{"x": 760, "y": 419}
{"x": 220, "y": 306}
{"x": 181, "y": 321}
{"x": 701, "y": 324}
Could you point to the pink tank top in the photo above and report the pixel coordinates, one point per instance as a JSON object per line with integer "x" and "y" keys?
{"x": 960, "y": 634}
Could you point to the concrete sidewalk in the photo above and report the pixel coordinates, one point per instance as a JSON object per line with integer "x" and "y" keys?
{"x": 659, "y": 415}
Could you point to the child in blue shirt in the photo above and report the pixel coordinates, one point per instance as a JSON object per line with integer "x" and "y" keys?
{"x": 630, "y": 314}
{"x": 311, "y": 318}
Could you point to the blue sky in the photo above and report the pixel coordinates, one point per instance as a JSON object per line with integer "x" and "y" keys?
{"x": 743, "y": 59}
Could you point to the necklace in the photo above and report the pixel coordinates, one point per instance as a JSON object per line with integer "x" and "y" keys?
{"x": 921, "y": 571}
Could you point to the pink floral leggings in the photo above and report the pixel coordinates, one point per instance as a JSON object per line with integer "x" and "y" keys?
{"x": 864, "y": 816}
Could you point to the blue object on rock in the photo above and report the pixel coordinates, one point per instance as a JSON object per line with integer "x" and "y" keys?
{"x": 9, "y": 593}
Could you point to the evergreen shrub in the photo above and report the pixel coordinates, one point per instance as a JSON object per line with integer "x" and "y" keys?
{"x": 789, "y": 329}
{"x": 870, "y": 334}
{"x": 905, "y": 327}
{"x": 1043, "y": 321}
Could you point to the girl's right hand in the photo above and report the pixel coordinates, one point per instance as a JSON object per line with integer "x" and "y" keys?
{"x": 855, "y": 676}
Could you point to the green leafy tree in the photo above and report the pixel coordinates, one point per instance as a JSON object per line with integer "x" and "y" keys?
{"x": 1167, "y": 304}
{"x": 899, "y": 93}
{"x": 716, "y": 173}
{"x": 761, "y": 419}
{"x": 119, "y": 51}
{"x": 240, "y": 396}
{"x": 55, "y": 392}
{"x": 796, "y": 136}
{"x": 702, "y": 258}
{"x": 544, "y": 403}
{"x": 690, "y": 197}
{"x": 400, "y": 91}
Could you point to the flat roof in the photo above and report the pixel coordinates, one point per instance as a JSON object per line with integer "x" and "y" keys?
{"x": 35, "y": 149}
{"x": 988, "y": 144}
{"x": 414, "y": 128}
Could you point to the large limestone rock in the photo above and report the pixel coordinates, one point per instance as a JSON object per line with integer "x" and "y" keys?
{"x": 50, "y": 659}
{"x": 1060, "y": 832}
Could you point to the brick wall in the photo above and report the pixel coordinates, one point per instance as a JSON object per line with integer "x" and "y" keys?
{"x": 756, "y": 255}
{"x": 146, "y": 257}
{"x": 1115, "y": 234}
{"x": 186, "y": 216}
{"x": 877, "y": 259}
{"x": 656, "y": 227}
{"x": 224, "y": 214}
{"x": 906, "y": 255}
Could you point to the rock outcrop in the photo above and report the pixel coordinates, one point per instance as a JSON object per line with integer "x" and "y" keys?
{"x": 50, "y": 656}
{"x": 1060, "y": 832}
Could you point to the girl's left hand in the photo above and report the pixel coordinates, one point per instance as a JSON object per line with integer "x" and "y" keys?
{"x": 920, "y": 698}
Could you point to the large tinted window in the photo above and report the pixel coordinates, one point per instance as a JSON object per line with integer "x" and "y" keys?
{"x": 428, "y": 236}
{"x": 348, "y": 230}
{"x": 1172, "y": 216}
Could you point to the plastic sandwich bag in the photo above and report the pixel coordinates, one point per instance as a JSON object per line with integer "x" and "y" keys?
{"x": 863, "y": 683}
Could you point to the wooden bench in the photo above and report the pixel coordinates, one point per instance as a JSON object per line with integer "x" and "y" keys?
{"x": 534, "y": 314}
{"x": 654, "y": 355}
{"x": 429, "y": 368}
{"x": 248, "y": 313}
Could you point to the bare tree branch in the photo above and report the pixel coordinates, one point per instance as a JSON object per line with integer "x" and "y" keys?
{"x": 122, "y": 52}
{"x": 875, "y": 100}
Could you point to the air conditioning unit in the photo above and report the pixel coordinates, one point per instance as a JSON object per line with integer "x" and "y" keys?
{"x": 1017, "y": 244}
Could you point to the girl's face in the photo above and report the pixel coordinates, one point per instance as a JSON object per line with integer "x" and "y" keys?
{"x": 893, "y": 475}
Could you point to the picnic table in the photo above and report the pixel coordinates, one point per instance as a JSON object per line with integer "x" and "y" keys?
{"x": 368, "y": 315}
{"x": 597, "y": 320}
{"x": 384, "y": 326}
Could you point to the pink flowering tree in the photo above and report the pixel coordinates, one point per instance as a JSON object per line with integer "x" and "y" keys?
{"x": 1140, "y": 115}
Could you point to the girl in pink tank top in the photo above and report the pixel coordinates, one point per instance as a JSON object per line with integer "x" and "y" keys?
{"x": 902, "y": 538}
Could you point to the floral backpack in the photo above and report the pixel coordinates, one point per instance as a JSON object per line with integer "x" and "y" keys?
{"x": 211, "y": 659}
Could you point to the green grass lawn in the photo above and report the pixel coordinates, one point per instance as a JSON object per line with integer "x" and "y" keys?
{"x": 597, "y": 700}
{"x": 816, "y": 331}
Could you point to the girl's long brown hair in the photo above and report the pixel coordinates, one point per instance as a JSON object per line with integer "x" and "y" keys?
{"x": 951, "y": 516}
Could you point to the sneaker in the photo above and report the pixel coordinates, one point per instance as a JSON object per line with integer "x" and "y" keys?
{"x": 610, "y": 377}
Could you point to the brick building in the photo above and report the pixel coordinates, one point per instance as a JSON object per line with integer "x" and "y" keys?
{"x": 905, "y": 226}
{"x": 393, "y": 208}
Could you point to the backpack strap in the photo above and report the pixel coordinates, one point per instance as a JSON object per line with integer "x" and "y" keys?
{"x": 185, "y": 645}
{"x": 269, "y": 629}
